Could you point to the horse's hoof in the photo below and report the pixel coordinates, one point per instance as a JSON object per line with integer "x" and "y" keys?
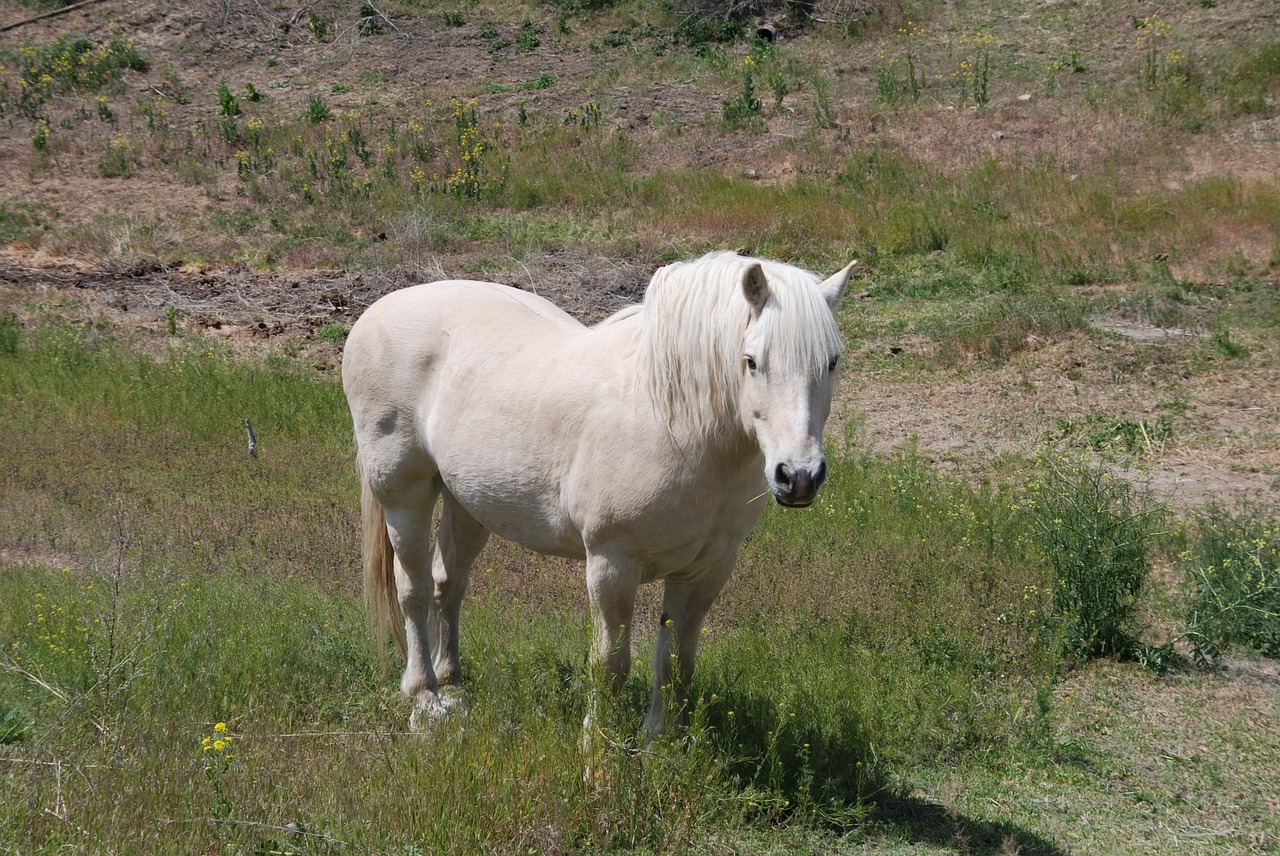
{"x": 435, "y": 707}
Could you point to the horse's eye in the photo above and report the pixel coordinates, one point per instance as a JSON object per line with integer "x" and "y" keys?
{"x": 751, "y": 364}
{"x": 831, "y": 366}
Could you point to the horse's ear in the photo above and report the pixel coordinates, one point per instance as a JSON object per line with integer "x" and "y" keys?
{"x": 755, "y": 287}
{"x": 833, "y": 288}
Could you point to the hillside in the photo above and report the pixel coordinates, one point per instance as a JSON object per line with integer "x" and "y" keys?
{"x": 264, "y": 170}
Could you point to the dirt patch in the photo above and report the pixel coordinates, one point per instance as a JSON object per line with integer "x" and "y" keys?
{"x": 142, "y": 291}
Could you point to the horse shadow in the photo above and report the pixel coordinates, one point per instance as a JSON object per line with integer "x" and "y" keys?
{"x": 921, "y": 821}
{"x": 825, "y": 763}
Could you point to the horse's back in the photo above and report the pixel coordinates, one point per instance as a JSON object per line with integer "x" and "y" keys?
{"x": 470, "y": 385}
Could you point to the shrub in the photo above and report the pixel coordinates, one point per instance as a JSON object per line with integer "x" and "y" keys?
{"x": 1093, "y": 528}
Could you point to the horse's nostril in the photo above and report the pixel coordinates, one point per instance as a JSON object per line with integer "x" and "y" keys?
{"x": 783, "y": 476}
{"x": 821, "y": 475}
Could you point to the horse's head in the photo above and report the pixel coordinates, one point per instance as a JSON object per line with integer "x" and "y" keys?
{"x": 790, "y": 354}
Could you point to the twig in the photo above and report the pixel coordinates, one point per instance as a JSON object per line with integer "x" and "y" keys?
{"x": 7, "y": 27}
{"x": 253, "y": 441}
{"x": 15, "y": 668}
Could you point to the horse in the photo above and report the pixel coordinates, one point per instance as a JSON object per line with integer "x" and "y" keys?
{"x": 644, "y": 445}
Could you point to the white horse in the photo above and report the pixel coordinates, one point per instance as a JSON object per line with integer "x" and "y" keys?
{"x": 644, "y": 445}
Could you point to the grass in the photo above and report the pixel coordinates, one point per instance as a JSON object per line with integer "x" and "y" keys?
{"x": 903, "y": 628}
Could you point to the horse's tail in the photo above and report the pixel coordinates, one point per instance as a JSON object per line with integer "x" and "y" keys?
{"x": 379, "y": 570}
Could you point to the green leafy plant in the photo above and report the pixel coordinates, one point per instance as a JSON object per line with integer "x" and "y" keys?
{"x": 317, "y": 111}
{"x": 227, "y": 103}
{"x": 1093, "y": 528}
{"x": 528, "y": 39}
{"x": 13, "y": 726}
{"x": 1233, "y": 568}
{"x": 318, "y": 26}
{"x": 745, "y": 106}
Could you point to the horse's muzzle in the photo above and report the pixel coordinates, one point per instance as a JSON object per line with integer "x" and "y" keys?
{"x": 798, "y": 488}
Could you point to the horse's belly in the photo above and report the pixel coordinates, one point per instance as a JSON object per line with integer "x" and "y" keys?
{"x": 529, "y": 517}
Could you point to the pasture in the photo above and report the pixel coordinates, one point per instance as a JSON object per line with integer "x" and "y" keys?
{"x": 1033, "y": 610}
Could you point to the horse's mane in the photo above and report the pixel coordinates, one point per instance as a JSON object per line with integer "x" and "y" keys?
{"x": 693, "y": 321}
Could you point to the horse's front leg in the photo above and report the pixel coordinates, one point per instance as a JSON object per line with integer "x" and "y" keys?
{"x": 612, "y": 586}
{"x": 685, "y": 602}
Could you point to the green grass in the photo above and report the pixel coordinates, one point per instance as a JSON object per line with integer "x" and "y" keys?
{"x": 908, "y": 625}
{"x": 202, "y": 585}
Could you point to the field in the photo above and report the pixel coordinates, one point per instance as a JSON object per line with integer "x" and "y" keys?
{"x": 1036, "y": 609}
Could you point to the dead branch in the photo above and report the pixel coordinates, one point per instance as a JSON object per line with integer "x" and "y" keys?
{"x": 7, "y": 27}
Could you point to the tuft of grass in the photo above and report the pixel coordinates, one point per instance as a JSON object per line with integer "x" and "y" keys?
{"x": 10, "y": 333}
{"x": 999, "y": 327}
{"x": 317, "y": 111}
{"x": 336, "y": 333}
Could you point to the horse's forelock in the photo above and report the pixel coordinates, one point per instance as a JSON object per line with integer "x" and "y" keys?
{"x": 694, "y": 319}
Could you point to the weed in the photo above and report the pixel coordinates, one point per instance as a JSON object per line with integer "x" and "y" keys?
{"x": 974, "y": 72}
{"x": 477, "y": 167}
{"x": 587, "y": 116}
{"x": 66, "y": 64}
{"x": 542, "y": 81}
{"x": 1223, "y": 342}
{"x": 317, "y": 111}
{"x": 40, "y": 135}
{"x": 119, "y": 160}
{"x": 13, "y": 725}
{"x": 889, "y": 87}
{"x": 453, "y": 18}
{"x": 528, "y": 40}
{"x": 251, "y": 93}
{"x": 227, "y": 104}
{"x": 171, "y": 320}
{"x": 1117, "y": 434}
{"x": 1233, "y": 568}
{"x": 318, "y": 26}
{"x": 745, "y": 106}
{"x": 824, "y": 112}
{"x": 370, "y": 21}
{"x": 216, "y": 751}
{"x": 1094, "y": 528}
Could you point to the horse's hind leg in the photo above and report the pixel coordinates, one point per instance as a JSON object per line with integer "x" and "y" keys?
{"x": 458, "y": 542}
{"x": 430, "y": 581}
{"x": 409, "y": 527}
